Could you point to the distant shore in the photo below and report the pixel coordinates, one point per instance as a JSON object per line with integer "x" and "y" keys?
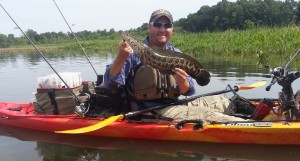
{"x": 262, "y": 43}
{"x": 25, "y": 49}
{"x": 7, "y": 50}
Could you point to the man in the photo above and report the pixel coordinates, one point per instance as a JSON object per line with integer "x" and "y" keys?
{"x": 160, "y": 30}
{"x": 126, "y": 70}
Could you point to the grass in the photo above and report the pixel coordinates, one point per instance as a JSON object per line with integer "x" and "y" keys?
{"x": 261, "y": 45}
{"x": 276, "y": 41}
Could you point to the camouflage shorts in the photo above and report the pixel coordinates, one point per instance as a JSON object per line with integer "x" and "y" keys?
{"x": 208, "y": 109}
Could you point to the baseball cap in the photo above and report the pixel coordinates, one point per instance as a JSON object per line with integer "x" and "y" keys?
{"x": 159, "y": 13}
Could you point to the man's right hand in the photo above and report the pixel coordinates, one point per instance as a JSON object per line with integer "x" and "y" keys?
{"x": 124, "y": 50}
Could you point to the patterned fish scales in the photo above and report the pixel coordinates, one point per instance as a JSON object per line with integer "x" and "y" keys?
{"x": 166, "y": 60}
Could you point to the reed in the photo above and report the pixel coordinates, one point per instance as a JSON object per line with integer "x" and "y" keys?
{"x": 263, "y": 44}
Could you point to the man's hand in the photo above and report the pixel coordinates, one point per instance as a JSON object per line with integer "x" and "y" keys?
{"x": 180, "y": 77}
{"x": 124, "y": 50}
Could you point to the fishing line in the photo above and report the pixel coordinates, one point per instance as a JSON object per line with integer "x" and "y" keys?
{"x": 40, "y": 54}
{"x": 75, "y": 37}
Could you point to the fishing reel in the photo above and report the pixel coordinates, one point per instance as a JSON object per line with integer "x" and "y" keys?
{"x": 82, "y": 109}
{"x": 84, "y": 106}
{"x": 84, "y": 101}
{"x": 284, "y": 78}
{"x": 100, "y": 101}
{"x": 275, "y": 74}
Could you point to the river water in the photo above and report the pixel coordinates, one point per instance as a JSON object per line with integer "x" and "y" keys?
{"x": 19, "y": 73}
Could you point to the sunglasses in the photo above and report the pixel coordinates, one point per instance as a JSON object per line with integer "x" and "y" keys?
{"x": 159, "y": 25}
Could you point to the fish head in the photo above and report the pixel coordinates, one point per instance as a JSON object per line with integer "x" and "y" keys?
{"x": 135, "y": 43}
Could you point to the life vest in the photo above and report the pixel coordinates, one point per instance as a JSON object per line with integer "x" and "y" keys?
{"x": 149, "y": 84}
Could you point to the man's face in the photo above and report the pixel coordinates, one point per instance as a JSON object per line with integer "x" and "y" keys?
{"x": 160, "y": 32}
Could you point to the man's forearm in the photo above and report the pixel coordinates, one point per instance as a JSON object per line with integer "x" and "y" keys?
{"x": 117, "y": 66}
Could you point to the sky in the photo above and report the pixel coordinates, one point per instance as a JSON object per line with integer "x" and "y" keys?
{"x": 43, "y": 16}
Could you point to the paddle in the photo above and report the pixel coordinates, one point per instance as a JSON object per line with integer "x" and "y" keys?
{"x": 257, "y": 84}
{"x": 135, "y": 113}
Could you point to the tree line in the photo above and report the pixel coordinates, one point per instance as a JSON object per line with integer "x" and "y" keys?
{"x": 225, "y": 15}
{"x": 55, "y": 37}
{"x": 243, "y": 14}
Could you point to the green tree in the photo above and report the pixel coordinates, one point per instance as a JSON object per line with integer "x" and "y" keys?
{"x": 4, "y": 43}
{"x": 32, "y": 35}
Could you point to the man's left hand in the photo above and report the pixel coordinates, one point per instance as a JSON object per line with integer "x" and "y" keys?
{"x": 180, "y": 77}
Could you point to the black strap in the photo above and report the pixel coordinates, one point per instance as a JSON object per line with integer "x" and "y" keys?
{"x": 198, "y": 124}
{"x": 128, "y": 87}
{"x": 51, "y": 94}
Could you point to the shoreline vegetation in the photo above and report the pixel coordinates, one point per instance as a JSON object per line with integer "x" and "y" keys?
{"x": 263, "y": 43}
{"x": 272, "y": 40}
{"x": 95, "y": 46}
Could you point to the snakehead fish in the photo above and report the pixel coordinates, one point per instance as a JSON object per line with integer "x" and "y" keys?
{"x": 166, "y": 60}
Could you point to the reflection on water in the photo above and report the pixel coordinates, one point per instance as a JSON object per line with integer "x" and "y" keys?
{"x": 61, "y": 147}
{"x": 59, "y": 152}
{"x": 19, "y": 72}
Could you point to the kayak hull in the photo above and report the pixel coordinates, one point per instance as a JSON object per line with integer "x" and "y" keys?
{"x": 22, "y": 115}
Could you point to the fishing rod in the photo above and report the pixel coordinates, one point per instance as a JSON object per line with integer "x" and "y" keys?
{"x": 75, "y": 37}
{"x": 285, "y": 68}
{"x": 112, "y": 119}
{"x": 279, "y": 73}
{"x": 42, "y": 55}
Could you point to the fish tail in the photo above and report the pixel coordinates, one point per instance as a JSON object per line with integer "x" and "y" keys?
{"x": 203, "y": 79}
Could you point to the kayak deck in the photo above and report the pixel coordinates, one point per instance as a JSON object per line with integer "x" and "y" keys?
{"x": 22, "y": 115}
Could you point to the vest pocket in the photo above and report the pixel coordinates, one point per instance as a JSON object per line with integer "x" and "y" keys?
{"x": 146, "y": 83}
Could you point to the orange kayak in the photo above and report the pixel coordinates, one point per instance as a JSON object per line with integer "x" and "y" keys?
{"x": 22, "y": 115}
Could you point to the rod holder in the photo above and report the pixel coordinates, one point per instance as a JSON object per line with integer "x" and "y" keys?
{"x": 99, "y": 79}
